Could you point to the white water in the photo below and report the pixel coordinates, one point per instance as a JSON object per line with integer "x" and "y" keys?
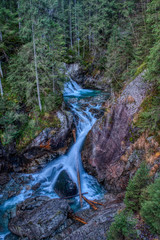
{"x": 81, "y": 102}
{"x": 71, "y": 161}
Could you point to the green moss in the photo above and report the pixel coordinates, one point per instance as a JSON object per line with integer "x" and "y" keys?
{"x": 140, "y": 69}
{"x": 131, "y": 139}
{"x": 36, "y": 125}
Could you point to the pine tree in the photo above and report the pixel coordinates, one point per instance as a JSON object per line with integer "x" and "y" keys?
{"x": 135, "y": 188}
{"x": 150, "y": 209}
{"x": 123, "y": 227}
{"x": 46, "y": 36}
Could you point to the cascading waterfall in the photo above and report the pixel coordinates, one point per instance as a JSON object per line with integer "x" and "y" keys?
{"x": 74, "y": 96}
{"x": 84, "y": 105}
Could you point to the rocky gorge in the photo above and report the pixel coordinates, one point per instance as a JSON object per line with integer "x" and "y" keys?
{"x": 40, "y": 217}
{"x": 109, "y": 138}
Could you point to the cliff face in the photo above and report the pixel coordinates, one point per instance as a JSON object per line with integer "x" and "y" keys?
{"x": 96, "y": 80}
{"x": 109, "y": 138}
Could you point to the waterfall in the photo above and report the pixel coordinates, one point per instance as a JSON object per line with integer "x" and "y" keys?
{"x": 81, "y": 104}
{"x": 84, "y": 104}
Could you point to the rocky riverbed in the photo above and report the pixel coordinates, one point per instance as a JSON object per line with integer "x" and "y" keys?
{"x": 44, "y": 218}
{"x": 41, "y": 217}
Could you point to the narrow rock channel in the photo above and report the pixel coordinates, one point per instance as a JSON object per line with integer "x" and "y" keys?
{"x": 58, "y": 178}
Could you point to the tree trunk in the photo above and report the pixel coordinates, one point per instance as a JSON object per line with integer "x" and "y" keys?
{"x": 1, "y": 75}
{"x": 70, "y": 24}
{"x": 1, "y": 88}
{"x": 78, "y": 37}
{"x": 35, "y": 61}
{"x": 63, "y": 6}
{"x": 75, "y": 15}
{"x": 89, "y": 31}
{"x": 53, "y": 80}
{"x": 19, "y": 23}
{"x": 1, "y": 38}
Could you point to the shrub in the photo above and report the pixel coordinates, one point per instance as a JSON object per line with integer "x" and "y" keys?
{"x": 135, "y": 188}
{"x": 150, "y": 209}
{"x": 123, "y": 227}
{"x": 12, "y": 124}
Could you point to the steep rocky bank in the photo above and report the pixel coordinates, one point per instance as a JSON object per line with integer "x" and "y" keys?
{"x": 50, "y": 143}
{"x": 96, "y": 80}
{"x": 109, "y": 139}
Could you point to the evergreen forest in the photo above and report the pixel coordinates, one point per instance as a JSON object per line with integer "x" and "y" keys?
{"x": 118, "y": 38}
{"x": 112, "y": 42}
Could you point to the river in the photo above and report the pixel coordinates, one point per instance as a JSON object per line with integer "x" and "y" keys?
{"x": 85, "y": 106}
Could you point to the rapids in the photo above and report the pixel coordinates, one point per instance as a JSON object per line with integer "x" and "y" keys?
{"x": 85, "y": 106}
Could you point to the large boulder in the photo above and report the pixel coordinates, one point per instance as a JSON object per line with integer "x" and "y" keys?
{"x": 50, "y": 142}
{"x": 54, "y": 138}
{"x": 65, "y": 186}
{"x": 109, "y": 138}
{"x": 39, "y": 217}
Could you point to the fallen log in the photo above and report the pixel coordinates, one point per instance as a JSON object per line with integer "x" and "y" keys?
{"x": 96, "y": 203}
{"x": 72, "y": 196}
{"x": 90, "y": 203}
{"x": 76, "y": 218}
{"x": 79, "y": 184}
{"x": 78, "y": 173}
{"x": 74, "y": 134}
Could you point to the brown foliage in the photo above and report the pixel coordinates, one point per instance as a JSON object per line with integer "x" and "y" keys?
{"x": 150, "y": 148}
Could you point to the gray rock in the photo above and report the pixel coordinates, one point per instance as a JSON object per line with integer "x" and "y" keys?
{"x": 65, "y": 186}
{"x": 39, "y": 217}
{"x": 4, "y": 178}
{"x": 98, "y": 81}
{"x": 50, "y": 143}
{"x": 98, "y": 222}
{"x": 11, "y": 236}
{"x": 54, "y": 137}
{"x": 109, "y": 138}
{"x": 97, "y": 226}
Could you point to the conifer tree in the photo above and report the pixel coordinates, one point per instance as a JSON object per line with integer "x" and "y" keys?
{"x": 135, "y": 188}
{"x": 150, "y": 209}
